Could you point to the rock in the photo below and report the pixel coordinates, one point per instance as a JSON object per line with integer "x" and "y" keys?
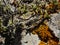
{"x": 22, "y": 16}
{"x": 54, "y": 24}
{"x": 30, "y": 40}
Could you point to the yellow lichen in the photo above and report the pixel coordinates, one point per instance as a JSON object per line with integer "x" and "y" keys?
{"x": 42, "y": 43}
{"x": 52, "y": 42}
{"x": 43, "y": 31}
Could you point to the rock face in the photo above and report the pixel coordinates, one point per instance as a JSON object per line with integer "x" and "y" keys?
{"x": 30, "y": 40}
{"x": 18, "y": 18}
{"x": 54, "y": 24}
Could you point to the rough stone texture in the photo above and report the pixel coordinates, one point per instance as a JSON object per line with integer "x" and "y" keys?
{"x": 19, "y": 17}
{"x": 54, "y": 24}
{"x": 30, "y": 40}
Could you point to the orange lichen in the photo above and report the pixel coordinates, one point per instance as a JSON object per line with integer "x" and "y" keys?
{"x": 52, "y": 42}
{"x": 42, "y": 43}
{"x": 59, "y": 43}
{"x": 43, "y": 31}
{"x": 46, "y": 35}
{"x": 34, "y": 32}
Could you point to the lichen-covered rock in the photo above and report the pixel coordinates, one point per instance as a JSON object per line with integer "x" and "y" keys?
{"x": 20, "y": 17}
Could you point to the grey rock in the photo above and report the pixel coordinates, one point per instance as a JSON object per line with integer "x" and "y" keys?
{"x": 54, "y": 24}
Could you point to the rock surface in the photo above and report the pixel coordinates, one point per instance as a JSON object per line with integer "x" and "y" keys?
{"x": 54, "y": 24}
{"x": 18, "y": 19}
